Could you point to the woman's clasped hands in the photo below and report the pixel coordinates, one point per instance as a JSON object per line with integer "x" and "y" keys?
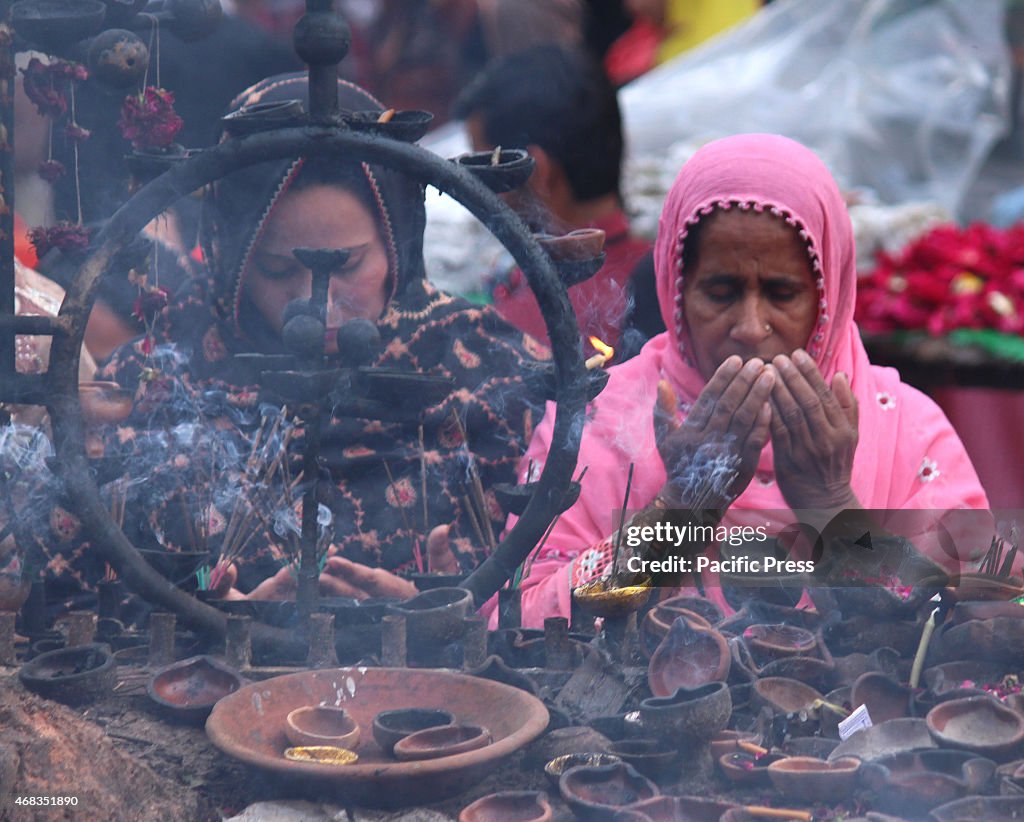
{"x": 812, "y": 427}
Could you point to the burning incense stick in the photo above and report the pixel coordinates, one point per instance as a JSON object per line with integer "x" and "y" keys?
{"x": 476, "y": 487}
{"x": 423, "y": 482}
{"x": 622, "y": 522}
{"x": 416, "y": 552}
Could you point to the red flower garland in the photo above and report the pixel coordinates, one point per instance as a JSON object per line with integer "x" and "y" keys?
{"x": 68, "y": 237}
{"x": 950, "y": 278}
{"x": 149, "y": 120}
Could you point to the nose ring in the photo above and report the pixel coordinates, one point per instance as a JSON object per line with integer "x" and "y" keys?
{"x": 768, "y": 328}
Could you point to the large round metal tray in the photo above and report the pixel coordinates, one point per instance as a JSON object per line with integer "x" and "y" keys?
{"x": 249, "y": 725}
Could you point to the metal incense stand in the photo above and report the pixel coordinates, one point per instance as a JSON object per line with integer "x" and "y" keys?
{"x": 321, "y": 39}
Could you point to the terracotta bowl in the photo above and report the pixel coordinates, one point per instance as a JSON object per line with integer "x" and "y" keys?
{"x": 688, "y": 657}
{"x": 977, "y": 808}
{"x": 742, "y": 768}
{"x": 598, "y": 792}
{"x": 322, "y": 725}
{"x": 249, "y": 725}
{"x": 447, "y": 740}
{"x": 884, "y": 697}
{"x": 725, "y": 742}
{"x": 508, "y": 806}
{"x": 913, "y": 783}
{"x": 654, "y": 758}
{"x": 691, "y": 714}
{"x": 71, "y": 675}
{"x": 806, "y": 779}
{"x": 554, "y": 769}
{"x": 892, "y": 737}
{"x": 784, "y": 696}
{"x": 777, "y": 641}
{"x": 980, "y": 724}
{"x": 389, "y": 727}
{"x": 681, "y": 809}
{"x": 188, "y": 690}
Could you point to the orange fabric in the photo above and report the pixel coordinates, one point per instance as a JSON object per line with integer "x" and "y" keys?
{"x": 23, "y": 249}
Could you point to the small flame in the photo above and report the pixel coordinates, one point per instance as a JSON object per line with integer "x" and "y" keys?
{"x": 605, "y": 353}
{"x": 603, "y": 348}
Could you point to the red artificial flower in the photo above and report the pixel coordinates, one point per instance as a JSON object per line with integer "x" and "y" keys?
{"x": 68, "y": 237}
{"x": 149, "y": 120}
{"x": 949, "y": 278}
{"x": 51, "y": 170}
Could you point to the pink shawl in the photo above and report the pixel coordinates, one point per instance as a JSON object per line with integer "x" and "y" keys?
{"x": 908, "y": 454}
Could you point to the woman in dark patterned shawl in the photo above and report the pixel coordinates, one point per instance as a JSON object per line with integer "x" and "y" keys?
{"x": 379, "y": 471}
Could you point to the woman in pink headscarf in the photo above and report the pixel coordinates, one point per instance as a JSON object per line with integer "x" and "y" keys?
{"x": 756, "y": 280}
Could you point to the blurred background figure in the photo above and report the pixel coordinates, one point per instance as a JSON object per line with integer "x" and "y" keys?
{"x": 418, "y": 54}
{"x": 557, "y": 103}
{"x": 663, "y": 29}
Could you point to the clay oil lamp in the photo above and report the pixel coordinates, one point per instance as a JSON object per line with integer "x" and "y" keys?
{"x": 768, "y": 642}
{"x": 690, "y": 714}
{"x": 965, "y": 678}
{"x": 725, "y": 742}
{"x": 786, "y": 696}
{"x": 71, "y": 675}
{"x": 599, "y": 792}
{"x": 980, "y": 724}
{"x": 975, "y": 808}
{"x": 434, "y": 618}
{"x": 748, "y": 769}
{"x": 912, "y": 783}
{"x": 188, "y": 690}
{"x": 446, "y": 740}
{"x": 892, "y": 737}
{"x": 407, "y": 126}
{"x": 389, "y": 727}
{"x": 501, "y": 170}
{"x": 685, "y": 808}
{"x": 322, "y": 755}
{"x": 508, "y": 806}
{"x": 554, "y": 769}
{"x": 884, "y": 697}
{"x": 329, "y": 725}
{"x": 653, "y": 758}
{"x": 805, "y": 779}
{"x": 577, "y": 255}
{"x": 688, "y": 657}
